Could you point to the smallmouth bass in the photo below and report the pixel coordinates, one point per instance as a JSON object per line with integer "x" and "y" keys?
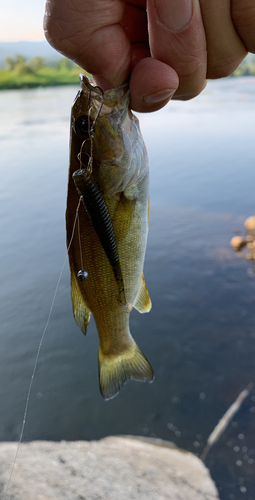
{"x": 109, "y": 173}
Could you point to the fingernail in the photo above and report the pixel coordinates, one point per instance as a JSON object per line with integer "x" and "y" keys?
{"x": 174, "y": 14}
{"x": 162, "y": 95}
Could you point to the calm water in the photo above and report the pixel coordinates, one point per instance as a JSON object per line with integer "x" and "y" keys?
{"x": 200, "y": 334}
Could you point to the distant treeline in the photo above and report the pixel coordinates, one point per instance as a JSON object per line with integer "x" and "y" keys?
{"x": 22, "y": 66}
{"x": 22, "y": 73}
{"x": 247, "y": 67}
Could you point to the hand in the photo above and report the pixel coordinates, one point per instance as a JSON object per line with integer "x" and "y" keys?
{"x": 168, "y": 51}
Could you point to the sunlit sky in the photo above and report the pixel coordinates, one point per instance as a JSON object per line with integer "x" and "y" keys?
{"x": 21, "y": 20}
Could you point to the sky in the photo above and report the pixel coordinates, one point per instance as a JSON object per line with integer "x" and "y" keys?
{"x": 21, "y": 20}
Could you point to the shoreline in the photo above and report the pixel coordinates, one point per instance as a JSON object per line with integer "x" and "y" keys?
{"x": 12, "y": 81}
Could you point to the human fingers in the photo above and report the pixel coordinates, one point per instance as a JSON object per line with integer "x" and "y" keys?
{"x": 89, "y": 33}
{"x": 177, "y": 38}
{"x": 152, "y": 84}
{"x": 86, "y": 33}
{"x": 225, "y": 48}
{"x": 243, "y": 15}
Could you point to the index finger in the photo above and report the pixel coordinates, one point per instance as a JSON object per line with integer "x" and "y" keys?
{"x": 177, "y": 38}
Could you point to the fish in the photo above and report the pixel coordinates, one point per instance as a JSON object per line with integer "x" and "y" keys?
{"x": 107, "y": 218}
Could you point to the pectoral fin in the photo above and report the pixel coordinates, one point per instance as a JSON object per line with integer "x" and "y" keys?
{"x": 142, "y": 301}
{"x": 80, "y": 308}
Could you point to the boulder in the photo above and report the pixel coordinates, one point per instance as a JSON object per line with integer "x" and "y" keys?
{"x": 114, "y": 468}
{"x": 237, "y": 242}
{"x": 250, "y": 223}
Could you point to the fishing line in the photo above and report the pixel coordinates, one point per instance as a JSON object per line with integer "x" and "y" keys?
{"x": 91, "y": 123}
{"x": 40, "y": 345}
{"x": 91, "y": 129}
{"x": 79, "y": 235}
{"x": 91, "y": 132}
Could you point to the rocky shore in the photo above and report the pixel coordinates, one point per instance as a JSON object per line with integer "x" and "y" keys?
{"x": 114, "y": 468}
{"x": 245, "y": 245}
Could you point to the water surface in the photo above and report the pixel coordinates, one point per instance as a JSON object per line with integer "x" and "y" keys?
{"x": 200, "y": 334}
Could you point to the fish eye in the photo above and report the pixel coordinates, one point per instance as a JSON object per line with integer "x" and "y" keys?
{"x": 82, "y": 125}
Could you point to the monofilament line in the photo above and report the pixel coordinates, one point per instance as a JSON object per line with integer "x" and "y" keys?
{"x": 39, "y": 349}
{"x": 79, "y": 234}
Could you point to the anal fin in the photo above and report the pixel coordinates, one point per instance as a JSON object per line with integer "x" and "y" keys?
{"x": 142, "y": 301}
{"x": 80, "y": 309}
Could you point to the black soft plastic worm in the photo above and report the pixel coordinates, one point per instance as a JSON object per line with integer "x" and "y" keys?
{"x": 98, "y": 213}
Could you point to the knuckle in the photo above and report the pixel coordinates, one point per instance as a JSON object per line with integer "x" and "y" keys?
{"x": 192, "y": 68}
{"x": 192, "y": 77}
{"x": 195, "y": 66}
{"x": 189, "y": 64}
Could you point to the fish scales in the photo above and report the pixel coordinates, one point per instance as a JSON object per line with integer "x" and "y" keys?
{"x": 98, "y": 213}
{"x": 119, "y": 168}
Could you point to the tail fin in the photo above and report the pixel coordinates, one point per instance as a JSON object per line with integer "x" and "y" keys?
{"x": 115, "y": 371}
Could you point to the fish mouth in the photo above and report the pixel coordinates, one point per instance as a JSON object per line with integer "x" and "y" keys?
{"x": 112, "y": 97}
{"x": 95, "y": 102}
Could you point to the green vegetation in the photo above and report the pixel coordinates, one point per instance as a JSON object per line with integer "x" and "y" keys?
{"x": 37, "y": 72}
{"x": 247, "y": 67}
{"x": 20, "y": 73}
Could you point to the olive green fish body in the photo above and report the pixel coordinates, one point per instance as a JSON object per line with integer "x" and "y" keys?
{"x": 98, "y": 213}
{"x": 120, "y": 176}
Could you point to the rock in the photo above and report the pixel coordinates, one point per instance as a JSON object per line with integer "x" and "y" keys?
{"x": 249, "y": 256}
{"x": 237, "y": 242}
{"x": 114, "y": 468}
{"x": 245, "y": 247}
{"x": 249, "y": 238}
{"x": 251, "y": 245}
{"x": 250, "y": 223}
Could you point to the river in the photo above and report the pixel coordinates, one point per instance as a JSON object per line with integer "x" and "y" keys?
{"x": 200, "y": 333}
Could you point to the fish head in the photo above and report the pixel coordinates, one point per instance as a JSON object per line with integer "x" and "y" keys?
{"x": 104, "y": 129}
{"x": 99, "y": 117}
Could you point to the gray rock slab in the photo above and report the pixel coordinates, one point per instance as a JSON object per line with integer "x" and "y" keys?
{"x": 114, "y": 468}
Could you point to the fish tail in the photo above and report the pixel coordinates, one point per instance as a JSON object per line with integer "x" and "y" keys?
{"x": 115, "y": 371}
